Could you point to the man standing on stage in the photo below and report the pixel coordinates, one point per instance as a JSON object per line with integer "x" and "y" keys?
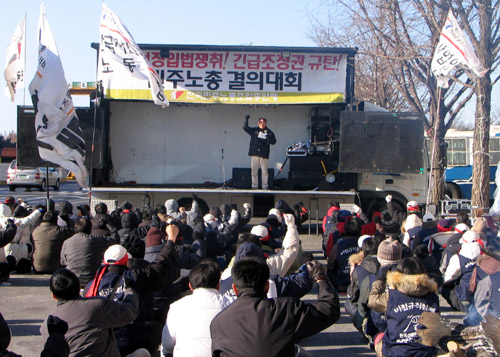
{"x": 261, "y": 138}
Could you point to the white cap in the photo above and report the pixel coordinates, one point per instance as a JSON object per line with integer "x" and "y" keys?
{"x": 277, "y": 213}
{"x": 259, "y": 231}
{"x": 362, "y": 238}
{"x": 412, "y": 204}
{"x": 428, "y": 217}
{"x": 115, "y": 253}
{"x": 461, "y": 228}
{"x": 208, "y": 217}
{"x": 469, "y": 237}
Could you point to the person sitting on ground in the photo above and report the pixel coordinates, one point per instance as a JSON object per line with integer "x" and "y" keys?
{"x": 452, "y": 246}
{"x": 48, "y": 239}
{"x": 295, "y": 285}
{"x": 180, "y": 213}
{"x": 6, "y": 237}
{"x": 83, "y": 252}
{"x": 412, "y": 225}
{"x": 90, "y": 321}
{"x": 438, "y": 240}
{"x": 403, "y": 296}
{"x": 365, "y": 263}
{"x": 146, "y": 278}
{"x": 458, "y": 273}
{"x": 66, "y": 216}
{"x": 338, "y": 260}
{"x": 270, "y": 324}
{"x": 187, "y": 329}
{"x": 429, "y": 227}
{"x": 369, "y": 322}
{"x": 431, "y": 266}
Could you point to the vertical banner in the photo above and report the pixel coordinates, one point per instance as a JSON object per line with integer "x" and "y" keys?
{"x": 119, "y": 55}
{"x": 58, "y": 133}
{"x": 454, "y": 51}
{"x": 16, "y": 55}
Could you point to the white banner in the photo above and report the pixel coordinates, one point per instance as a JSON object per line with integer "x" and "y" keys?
{"x": 58, "y": 133}
{"x": 454, "y": 52}
{"x": 16, "y": 55}
{"x": 121, "y": 57}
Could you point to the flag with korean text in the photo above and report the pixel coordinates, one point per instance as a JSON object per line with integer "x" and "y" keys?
{"x": 58, "y": 133}
{"x": 119, "y": 55}
{"x": 454, "y": 52}
{"x": 16, "y": 55}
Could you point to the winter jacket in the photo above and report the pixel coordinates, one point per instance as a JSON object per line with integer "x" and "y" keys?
{"x": 187, "y": 330}
{"x": 48, "y": 240}
{"x": 487, "y": 295}
{"x": 363, "y": 266}
{"x": 260, "y": 141}
{"x": 338, "y": 262}
{"x": 146, "y": 279}
{"x": 485, "y": 265}
{"x": 280, "y": 263}
{"x": 190, "y": 216}
{"x": 256, "y": 326}
{"x": 99, "y": 222}
{"x": 406, "y": 298}
{"x": 6, "y": 237}
{"x": 90, "y": 323}
{"x": 83, "y": 254}
{"x": 453, "y": 270}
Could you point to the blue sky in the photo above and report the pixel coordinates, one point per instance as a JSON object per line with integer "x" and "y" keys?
{"x": 75, "y": 25}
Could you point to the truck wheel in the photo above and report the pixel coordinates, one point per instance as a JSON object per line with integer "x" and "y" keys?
{"x": 12, "y": 188}
{"x": 452, "y": 191}
{"x": 380, "y": 205}
{"x": 57, "y": 185}
{"x": 187, "y": 201}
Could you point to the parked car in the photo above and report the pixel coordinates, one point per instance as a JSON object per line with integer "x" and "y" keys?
{"x": 24, "y": 176}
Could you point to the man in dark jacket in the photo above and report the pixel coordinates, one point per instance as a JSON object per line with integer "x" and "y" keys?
{"x": 83, "y": 252}
{"x": 90, "y": 321}
{"x": 48, "y": 239}
{"x": 261, "y": 138}
{"x": 256, "y": 326}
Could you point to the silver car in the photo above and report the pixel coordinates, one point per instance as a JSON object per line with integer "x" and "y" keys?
{"x": 23, "y": 176}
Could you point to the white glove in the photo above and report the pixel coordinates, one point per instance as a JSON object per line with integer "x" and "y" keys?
{"x": 289, "y": 219}
{"x": 388, "y": 198}
{"x": 246, "y": 206}
{"x": 356, "y": 209}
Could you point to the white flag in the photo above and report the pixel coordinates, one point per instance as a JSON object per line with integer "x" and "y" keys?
{"x": 119, "y": 55}
{"x": 58, "y": 133}
{"x": 16, "y": 54}
{"x": 453, "y": 52}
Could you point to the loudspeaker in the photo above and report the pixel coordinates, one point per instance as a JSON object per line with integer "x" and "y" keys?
{"x": 242, "y": 178}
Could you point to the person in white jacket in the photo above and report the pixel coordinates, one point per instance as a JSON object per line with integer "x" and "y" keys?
{"x": 187, "y": 329}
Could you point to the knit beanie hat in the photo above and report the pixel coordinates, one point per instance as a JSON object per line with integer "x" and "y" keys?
{"x": 444, "y": 225}
{"x": 154, "y": 237}
{"x": 389, "y": 252}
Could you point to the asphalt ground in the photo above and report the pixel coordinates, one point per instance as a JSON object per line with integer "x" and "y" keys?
{"x": 26, "y": 302}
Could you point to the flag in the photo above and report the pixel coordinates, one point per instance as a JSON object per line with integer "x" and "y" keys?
{"x": 58, "y": 133}
{"x": 454, "y": 52}
{"x": 119, "y": 55}
{"x": 16, "y": 55}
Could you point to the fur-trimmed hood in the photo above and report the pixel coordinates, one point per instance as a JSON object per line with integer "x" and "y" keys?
{"x": 412, "y": 285}
{"x": 356, "y": 258}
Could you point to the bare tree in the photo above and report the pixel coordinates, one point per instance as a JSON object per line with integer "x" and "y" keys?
{"x": 400, "y": 37}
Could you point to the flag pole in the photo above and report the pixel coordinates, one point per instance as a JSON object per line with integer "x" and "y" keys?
{"x": 24, "y": 74}
{"x": 434, "y": 139}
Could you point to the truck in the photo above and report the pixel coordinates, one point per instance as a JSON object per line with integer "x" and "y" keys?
{"x": 330, "y": 146}
{"x": 459, "y": 159}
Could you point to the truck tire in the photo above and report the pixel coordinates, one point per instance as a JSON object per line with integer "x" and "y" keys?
{"x": 380, "y": 205}
{"x": 452, "y": 191}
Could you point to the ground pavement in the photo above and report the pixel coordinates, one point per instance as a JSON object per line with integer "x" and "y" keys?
{"x": 27, "y": 301}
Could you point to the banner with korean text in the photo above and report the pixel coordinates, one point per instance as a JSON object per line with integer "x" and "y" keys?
{"x": 121, "y": 59}
{"x": 242, "y": 77}
{"x": 58, "y": 133}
